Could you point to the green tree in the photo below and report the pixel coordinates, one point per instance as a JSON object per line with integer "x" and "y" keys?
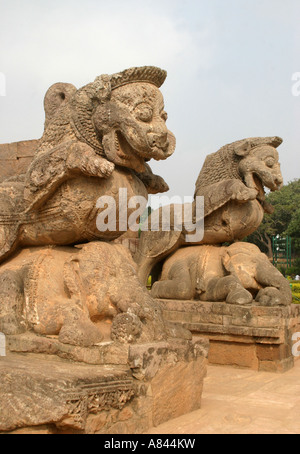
{"x": 294, "y": 229}
{"x": 285, "y": 220}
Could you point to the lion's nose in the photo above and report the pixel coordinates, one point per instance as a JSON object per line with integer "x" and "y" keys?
{"x": 158, "y": 140}
{"x": 279, "y": 182}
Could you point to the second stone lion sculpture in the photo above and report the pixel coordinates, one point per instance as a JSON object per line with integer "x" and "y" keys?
{"x": 231, "y": 182}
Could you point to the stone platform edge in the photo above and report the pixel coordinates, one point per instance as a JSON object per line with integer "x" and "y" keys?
{"x": 43, "y": 393}
{"x": 257, "y": 337}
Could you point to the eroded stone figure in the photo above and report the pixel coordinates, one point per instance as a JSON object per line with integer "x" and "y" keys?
{"x": 238, "y": 274}
{"x": 68, "y": 290}
{"x": 232, "y": 182}
{"x": 94, "y": 295}
{"x": 97, "y": 139}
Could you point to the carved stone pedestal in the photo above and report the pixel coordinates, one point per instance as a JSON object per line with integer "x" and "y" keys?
{"x": 256, "y": 337}
{"x": 43, "y": 393}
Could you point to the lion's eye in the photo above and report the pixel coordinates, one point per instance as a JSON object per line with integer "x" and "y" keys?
{"x": 270, "y": 162}
{"x": 143, "y": 112}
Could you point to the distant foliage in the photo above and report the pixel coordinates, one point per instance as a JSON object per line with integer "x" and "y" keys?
{"x": 284, "y": 221}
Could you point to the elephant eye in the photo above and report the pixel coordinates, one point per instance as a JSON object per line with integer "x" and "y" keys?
{"x": 270, "y": 162}
{"x": 143, "y": 112}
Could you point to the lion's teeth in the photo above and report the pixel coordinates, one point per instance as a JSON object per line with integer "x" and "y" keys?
{"x": 117, "y": 145}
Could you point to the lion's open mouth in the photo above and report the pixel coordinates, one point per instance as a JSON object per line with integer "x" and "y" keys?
{"x": 259, "y": 187}
{"x": 118, "y": 149}
{"x": 126, "y": 155}
{"x": 261, "y": 197}
{"x": 270, "y": 183}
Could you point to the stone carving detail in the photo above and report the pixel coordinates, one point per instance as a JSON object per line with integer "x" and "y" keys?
{"x": 94, "y": 293}
{"x": 237, "y": 274}
{"x": 92, "y": 399}
{"x": 48, "y": 396}
{"x": 232, "y": 182}
{"x": 97, "y": 139}
{"x": 68, "y": 289}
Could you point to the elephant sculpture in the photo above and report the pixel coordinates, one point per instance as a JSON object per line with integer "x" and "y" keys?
{"x": 94, "y": 296}
{"x": 237, "y": 274}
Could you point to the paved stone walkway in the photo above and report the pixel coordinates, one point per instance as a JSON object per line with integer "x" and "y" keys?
{"x": 242, "y": 401}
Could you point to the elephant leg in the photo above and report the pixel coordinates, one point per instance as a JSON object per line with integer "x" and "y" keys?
{"x": 178, "y": 285}
{"x": 78, "y": 329}
{"x": 65, "y": 318}
{"x": 276, "y": 289}
{"x": 227, "y": 289}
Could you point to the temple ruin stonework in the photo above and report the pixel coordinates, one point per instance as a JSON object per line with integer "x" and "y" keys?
{"x": 86, "y": 346}
{"x": 220, "y": 287}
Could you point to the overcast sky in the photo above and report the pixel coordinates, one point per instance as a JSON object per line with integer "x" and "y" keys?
{"x": 230, "y": 65}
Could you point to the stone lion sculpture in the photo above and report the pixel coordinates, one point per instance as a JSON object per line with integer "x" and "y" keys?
{"x": 97, "y": 139}
{"x": 94, "y": 295}
{"x": 232, "y": 183}
{"x": 237, "y": 274}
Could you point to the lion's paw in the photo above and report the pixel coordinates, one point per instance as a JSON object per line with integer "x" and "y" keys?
{"x": 106, "y": 168}
{"x": 242, "y": 193}
{"x": 97, "y": 166}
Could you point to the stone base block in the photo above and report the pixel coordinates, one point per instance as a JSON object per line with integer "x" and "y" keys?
{"x": 256, "y": 337}
{"x": 45, "y": 394}
{"x": 233, "y": 353}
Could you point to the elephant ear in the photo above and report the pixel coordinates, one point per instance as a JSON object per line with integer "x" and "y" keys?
{"x": 72, "y": 280}
{"x": 226, "y": 260}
